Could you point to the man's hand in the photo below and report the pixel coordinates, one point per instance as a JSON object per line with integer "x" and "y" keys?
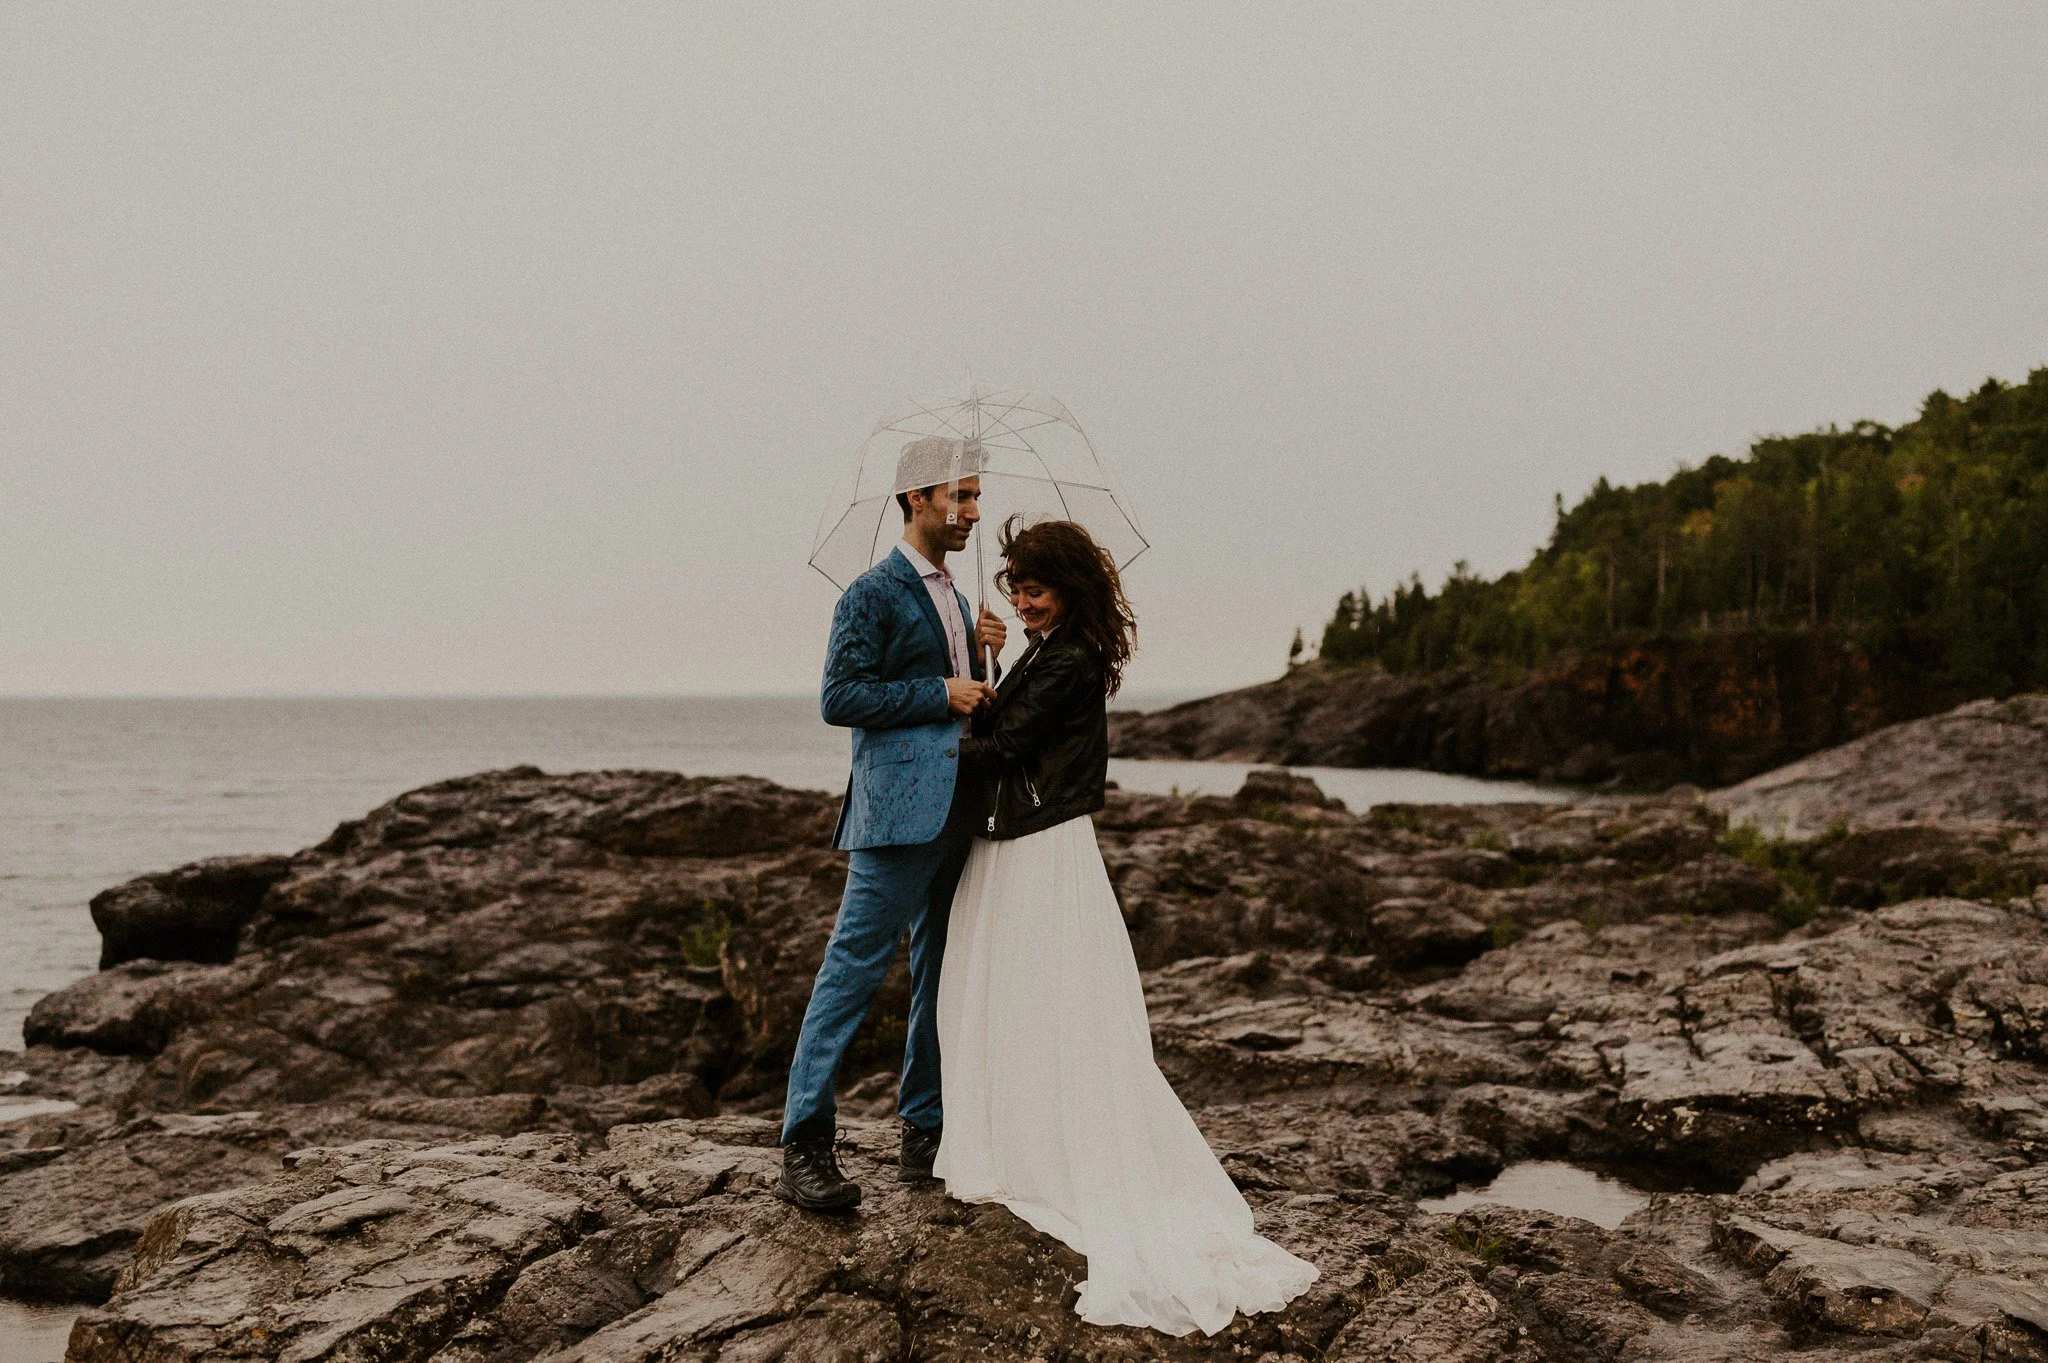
{"x": 964, "y": 695}
{"x": 990, "y": 632}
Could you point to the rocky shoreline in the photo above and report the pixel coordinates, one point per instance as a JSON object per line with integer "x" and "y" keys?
{"x": 489, "y": 1075}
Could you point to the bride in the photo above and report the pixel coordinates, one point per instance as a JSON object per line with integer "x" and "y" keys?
{"x": 1054, "y": 1106}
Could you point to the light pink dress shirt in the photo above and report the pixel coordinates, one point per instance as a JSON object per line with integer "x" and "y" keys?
{"x": 939, "y": 583}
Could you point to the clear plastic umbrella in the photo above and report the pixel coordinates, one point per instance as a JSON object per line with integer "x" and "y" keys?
{"x": 1033, "y": 459}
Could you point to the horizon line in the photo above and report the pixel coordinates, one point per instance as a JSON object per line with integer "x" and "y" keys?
{"x": 403, "y": 695}
{"x": 463, "y": 695}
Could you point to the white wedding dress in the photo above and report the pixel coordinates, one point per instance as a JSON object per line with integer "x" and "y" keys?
{"x": 1054, "y": 1106}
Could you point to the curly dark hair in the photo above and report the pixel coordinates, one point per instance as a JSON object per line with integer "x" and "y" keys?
{"x": 1065, "y": 557}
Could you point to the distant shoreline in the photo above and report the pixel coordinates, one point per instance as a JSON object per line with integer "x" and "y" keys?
{"x": 1140, "y": 698}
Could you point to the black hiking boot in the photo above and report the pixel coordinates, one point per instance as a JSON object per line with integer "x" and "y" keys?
{"x": 920, "y": 1148}
{"x": 811, "y": 1178}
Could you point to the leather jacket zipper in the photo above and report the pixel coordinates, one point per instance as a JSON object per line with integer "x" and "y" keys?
{"x": 1022, "y": 664}
{"x": 1035, "y": 803}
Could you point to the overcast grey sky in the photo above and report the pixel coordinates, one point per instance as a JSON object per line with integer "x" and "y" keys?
{"x": 410, "y": 348}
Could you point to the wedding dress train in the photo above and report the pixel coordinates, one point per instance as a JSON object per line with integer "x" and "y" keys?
{"x": 1055, "y": 1108}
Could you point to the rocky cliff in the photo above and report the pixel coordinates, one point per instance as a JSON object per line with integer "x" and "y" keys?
{"x": 1709, "y": 710}
{"x": 490, "y": 1074}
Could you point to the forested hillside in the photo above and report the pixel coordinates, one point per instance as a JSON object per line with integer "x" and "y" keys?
{"x": 1923, "y": 548}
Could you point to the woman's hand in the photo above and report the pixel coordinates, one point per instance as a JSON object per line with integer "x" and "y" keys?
{"x": 990, "y": 632}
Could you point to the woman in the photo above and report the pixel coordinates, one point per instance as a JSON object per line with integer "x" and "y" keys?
{"x": 1054, "y": 1106}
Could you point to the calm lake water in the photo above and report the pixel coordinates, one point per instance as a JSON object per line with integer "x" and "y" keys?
{"x": 34, "y": 1334}
{"x": 95, "y": 791}
{"x": 1550, "y": 1186}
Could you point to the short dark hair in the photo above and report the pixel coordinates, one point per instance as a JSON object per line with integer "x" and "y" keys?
{"x": 903, "y": 499}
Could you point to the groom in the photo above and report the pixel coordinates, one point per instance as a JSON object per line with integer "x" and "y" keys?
{"x": 903, "y": 671}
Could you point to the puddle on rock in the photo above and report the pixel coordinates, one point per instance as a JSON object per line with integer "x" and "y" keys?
{"x": 13, "y": 1110}
{"x": 31, "y": 1333}
{"x": 1549, "y": 1186}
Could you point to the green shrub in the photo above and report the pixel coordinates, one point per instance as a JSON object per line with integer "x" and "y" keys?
{"x": 1788, "y": 861}
{"x": 703, "y": 943}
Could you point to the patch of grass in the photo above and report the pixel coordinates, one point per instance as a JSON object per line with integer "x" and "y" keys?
{"x": 705, "y": 940}
{"x": 1286, "y": 815}
{"x": 1489, "y": 839}
{"x": 1790, "y": 912}
{"x": 1490, "y": 1250}
{"x": 1505, "y": 931}
{"x": 1992, "y": 884}
{"x": 1744, "y": 841}
{"x": 1785, "y": 860}
{"x": 1390, "y": 818}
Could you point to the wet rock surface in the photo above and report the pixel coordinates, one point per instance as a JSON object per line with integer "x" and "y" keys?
{"x": 491, "y": 1075}
{"x": 1985, "y": 763}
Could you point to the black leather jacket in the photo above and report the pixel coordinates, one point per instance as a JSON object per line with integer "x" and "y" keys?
{"x": 1040, "y": 755}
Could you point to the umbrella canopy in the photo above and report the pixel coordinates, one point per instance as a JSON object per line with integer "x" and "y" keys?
{"x": 1032, "y": 457}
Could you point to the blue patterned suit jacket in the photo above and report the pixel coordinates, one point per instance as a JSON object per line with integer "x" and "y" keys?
{"x": 885, "y": 672}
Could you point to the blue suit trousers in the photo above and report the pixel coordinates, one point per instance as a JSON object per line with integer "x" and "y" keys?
{"x": 888, "y": 890}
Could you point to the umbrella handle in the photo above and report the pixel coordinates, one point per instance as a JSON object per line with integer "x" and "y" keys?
{"x": 988, "y": 661}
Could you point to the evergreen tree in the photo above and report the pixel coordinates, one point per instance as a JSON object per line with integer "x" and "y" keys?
{"x": 1929, "y": 542}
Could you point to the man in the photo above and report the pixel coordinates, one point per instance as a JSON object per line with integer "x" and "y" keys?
{"x": 903, "y": 671}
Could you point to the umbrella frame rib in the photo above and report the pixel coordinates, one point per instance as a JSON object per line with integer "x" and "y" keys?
{"x": 984, "y": 416}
